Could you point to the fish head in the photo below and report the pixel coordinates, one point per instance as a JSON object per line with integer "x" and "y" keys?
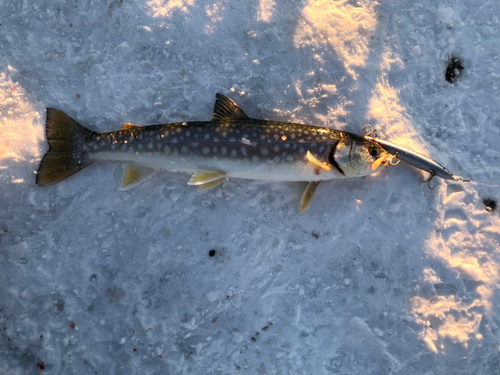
{"x": 358, "y": 157}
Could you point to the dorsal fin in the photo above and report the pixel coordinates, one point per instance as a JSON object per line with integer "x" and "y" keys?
{"x": 226, "y": 109}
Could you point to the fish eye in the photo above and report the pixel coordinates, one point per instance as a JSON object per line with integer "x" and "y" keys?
{"x": 373, "y": 151}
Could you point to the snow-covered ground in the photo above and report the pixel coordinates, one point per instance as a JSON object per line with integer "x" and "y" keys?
{"x": 381, "y": 275}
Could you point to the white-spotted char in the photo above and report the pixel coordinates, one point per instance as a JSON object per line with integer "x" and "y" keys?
{"x": 230, "y": 145}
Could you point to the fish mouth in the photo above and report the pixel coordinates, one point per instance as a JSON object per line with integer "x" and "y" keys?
{"x": 331, "y": 158}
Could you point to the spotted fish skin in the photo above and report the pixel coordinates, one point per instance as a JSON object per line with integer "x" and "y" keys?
{"x": 243, "y": 148}
{"x": 230, "y": 145}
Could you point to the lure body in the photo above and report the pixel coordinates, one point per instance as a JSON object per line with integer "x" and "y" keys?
{"x": 416, "y": 159}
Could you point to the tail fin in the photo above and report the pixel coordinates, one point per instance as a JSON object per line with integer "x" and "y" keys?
{"x": 66, "y": 155}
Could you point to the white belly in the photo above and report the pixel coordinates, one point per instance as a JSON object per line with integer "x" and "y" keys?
{"x": 256, "y": 169}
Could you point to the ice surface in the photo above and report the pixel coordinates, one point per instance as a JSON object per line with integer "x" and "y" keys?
{"x": 381, "y": 275}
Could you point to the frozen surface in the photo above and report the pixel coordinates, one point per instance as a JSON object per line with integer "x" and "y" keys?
{"x": 381, "y": 275}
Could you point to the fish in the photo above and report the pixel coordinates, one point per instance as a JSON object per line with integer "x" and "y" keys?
{"x": 230, "y": 145}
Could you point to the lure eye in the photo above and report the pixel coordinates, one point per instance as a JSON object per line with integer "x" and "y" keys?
{"x": 373, "y": 151}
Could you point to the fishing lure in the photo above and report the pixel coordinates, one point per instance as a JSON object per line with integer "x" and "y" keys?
{"x": 419, "y": 161}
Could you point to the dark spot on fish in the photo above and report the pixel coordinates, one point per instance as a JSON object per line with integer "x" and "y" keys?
{"x": 211, "y": 253}
{"x": 454, "y": 69}
{"x": 490, "y": 205}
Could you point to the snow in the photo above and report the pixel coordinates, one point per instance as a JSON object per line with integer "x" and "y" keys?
{"x": 381, "y": 275}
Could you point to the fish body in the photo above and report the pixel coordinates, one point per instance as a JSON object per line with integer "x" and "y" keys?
{"x": 247, "y": 148}
{"x": 230, "y": 145}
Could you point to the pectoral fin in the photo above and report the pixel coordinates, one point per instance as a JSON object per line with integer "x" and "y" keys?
{"x": 134, "y": 174}
{"x": 308, "y": 195}
{"x": 204, "y": 177}
{"x": 317, "y": 163}
{"x": 210, "y": 185}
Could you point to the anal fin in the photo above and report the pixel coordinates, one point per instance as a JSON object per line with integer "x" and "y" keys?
{"x": 204, "y": 177}
{"x": 210, "y": 185}
{"x": 134, "y": 174}
{"x": 308, "y": 195}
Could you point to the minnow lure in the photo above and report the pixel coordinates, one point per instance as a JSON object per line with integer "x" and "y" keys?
{"x": 416, "y": 159}
{"x": 420, "y": 161}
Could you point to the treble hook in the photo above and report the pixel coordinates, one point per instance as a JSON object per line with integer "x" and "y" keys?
{"x": 433, "y": 173}
{"x": 372, "y": 132}
{"x": 395, "y": 156}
